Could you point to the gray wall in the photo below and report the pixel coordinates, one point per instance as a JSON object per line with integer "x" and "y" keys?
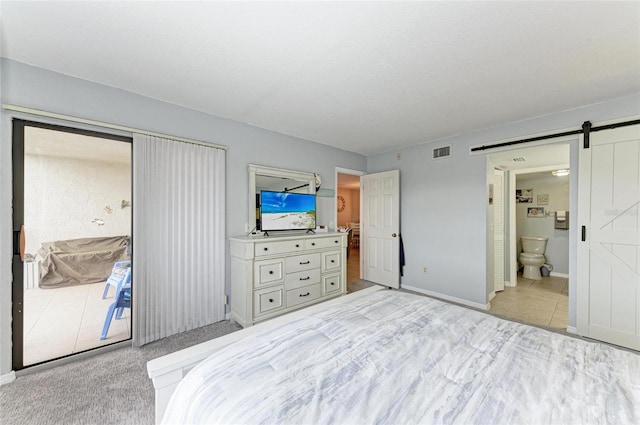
{"x": 32, "y": 87}
{"x": 443, "y": 202}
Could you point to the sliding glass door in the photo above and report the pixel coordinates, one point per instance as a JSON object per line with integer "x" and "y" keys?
{"x": 72, "y": 226}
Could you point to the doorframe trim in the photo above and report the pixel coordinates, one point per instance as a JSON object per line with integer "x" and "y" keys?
{"x": 17, "y": 219}
{"x": 340, "y": 170}
{"x": 69, "y": 118}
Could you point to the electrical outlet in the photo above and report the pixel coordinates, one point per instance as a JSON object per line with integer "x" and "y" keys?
{"x": 424, "y": 269}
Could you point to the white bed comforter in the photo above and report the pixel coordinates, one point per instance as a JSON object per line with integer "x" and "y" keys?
{"x": 398, "y": 358}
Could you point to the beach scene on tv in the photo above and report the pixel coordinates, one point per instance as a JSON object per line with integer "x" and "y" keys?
{"x": 287, "y": 211}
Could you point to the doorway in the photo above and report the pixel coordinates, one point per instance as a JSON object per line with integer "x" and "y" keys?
{"x": 537, "y": 205}
{"x": 348, "y": 220}
{"x": 72, "y": 224}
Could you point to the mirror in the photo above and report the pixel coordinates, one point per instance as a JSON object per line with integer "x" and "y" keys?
{"x": 275, "y": 179}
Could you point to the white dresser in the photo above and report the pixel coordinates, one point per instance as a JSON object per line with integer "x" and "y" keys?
{"x": 273, "y": 275}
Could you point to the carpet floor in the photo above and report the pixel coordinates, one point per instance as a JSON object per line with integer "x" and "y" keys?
{"x": 110, "y": 388}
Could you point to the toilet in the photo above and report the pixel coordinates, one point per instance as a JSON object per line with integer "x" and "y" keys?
{"x": 532, "y": 257}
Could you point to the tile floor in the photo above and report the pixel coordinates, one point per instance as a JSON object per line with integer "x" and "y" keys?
{"x": 63, "y": 321}
{"x": 542, "y": 302}
{"x": 59, "y": 322}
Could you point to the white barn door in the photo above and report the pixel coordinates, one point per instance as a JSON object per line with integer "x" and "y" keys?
{"x": 608, "y": 290}
{"x": 380, "y": 227}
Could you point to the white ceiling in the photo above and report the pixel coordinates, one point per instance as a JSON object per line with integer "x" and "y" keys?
{"x": 61, "y": 144}
{"x": 552, "y": 155}
{"x": 367, "y": 77}
{"x": 521, "y": 178}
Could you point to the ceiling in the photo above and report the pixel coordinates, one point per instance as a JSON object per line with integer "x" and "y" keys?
{"x": 61, "y": 144}
{"x": 520, "y": 178}
{"x": 552, "y": 155}
{"x": 367, "y": 77}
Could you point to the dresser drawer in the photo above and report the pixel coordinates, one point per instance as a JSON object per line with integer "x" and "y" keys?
{"x": 273, "y": 275}
{"x": 281, "y": 247}
{"x": 268, "y": 272}
{"x": 303, "y": 295}
{"x": 331, "y": 283}
{"x": 323, "y": 243}
{"x": 268, "y": 300}
{"x": 331, "y": 261}
{"x": 303, "y": 262}
{"x": 303, "y": 278}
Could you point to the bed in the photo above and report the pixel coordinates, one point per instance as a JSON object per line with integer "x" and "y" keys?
{"x": 391, "y": 357}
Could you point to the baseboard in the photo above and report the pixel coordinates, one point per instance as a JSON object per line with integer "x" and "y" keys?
{"x": 556, "y": 274}
{"x": 509, "y": 284}
{"x": 227, "y": 316}
{"x": 447, "y": 297}
{"x": 7, "y": 377}
{"x": 492, "y": 295}
{"x": 572, "y": 330}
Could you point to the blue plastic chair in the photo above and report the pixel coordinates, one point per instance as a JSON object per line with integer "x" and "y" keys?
{"x": 117, "y": 274}
{"x": 122, "y": 300}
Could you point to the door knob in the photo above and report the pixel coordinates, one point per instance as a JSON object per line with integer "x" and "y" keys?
{"x": 393, "y": 235}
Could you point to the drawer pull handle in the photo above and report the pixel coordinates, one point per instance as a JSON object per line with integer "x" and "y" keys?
{"x": 266, "y": 249}
{"x": 333, "y": 261}
{"x": 270, "y": 300}
{"x": 270, "y": 271}
{"x": 332, "y": 283}
{"x": 337, "y": 241}
{"x": 313, "y": 244}
{"x": 305, "y": 262}
{"x": 305, "y": 295}
{"x": 305, "y": 278}
{"x": 297, "y": 245}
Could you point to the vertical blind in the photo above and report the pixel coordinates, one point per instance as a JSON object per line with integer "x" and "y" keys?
{"x": 178, "y": 237}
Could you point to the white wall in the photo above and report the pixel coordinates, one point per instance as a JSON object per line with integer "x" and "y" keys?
{"x": 557, "y": 253}
{"x": 33, "y": 87}
{"x": 63, "y": 196}
{"x": 443, "y": 202}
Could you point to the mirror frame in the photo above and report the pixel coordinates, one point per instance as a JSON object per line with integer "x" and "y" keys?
{"x": 261, "y": 170}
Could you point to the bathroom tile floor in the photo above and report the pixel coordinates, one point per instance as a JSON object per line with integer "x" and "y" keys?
{"x": 543, "y": 302}
{"x": 63, "y": 321}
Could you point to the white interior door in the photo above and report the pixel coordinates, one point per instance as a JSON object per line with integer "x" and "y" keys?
{"x": 608, "y": 291}
{"x": 498, "y": 230}
{"x": 380, "y": 227}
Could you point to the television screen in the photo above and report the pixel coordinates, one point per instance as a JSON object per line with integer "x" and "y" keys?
{"x": 287, "y": 211}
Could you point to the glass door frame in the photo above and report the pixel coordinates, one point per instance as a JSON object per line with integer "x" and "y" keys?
{"x": 17, "y": 284}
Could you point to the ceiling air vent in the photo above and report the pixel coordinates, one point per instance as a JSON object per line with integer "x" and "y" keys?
{"x": 442, "y": 152}
{"x": 520, "y": 159}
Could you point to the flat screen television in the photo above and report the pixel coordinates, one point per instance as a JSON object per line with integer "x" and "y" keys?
{"x": 287, "y": 211}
